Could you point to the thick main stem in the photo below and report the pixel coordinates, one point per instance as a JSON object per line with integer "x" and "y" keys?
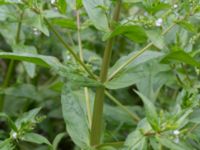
{"x": 99, "y": 99}
{"x": 97, "y": 117}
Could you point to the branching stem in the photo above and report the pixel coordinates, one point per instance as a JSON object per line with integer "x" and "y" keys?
{"x": 97, "y": 117}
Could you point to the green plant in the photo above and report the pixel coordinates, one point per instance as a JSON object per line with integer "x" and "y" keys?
{"x": 153, "y": 49}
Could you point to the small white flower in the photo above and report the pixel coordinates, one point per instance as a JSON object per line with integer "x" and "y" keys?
{"x": 176, "y": 132}
{"x": 53, "y": 1}
{"x": 175, "y": 6}
{"x": 14, "y": 135}
{"x": 36, "y": 32}
{"x": 159, "y": 22}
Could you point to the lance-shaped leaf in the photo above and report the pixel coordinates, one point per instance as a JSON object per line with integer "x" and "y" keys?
{"x": 74, "y": 113}
{"x": 170, "y": 144}
{"x": 187, "y": 25}
{"x": 41, "y": 60}
{"x": 180, "y": 56}
{"x": 133, "y": 73}
{"x": 96, "y": 13}
{"x": 150, "y": 111}
{"x": 35, "y": 138}
{"x": 133, "y": 32}
{"x": 57, "y": 139}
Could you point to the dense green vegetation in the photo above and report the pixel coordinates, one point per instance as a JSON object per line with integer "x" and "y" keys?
{"x": 99, "y": 75}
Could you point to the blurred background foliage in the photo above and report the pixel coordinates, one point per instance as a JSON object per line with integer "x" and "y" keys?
{"x": 167, "y": 74}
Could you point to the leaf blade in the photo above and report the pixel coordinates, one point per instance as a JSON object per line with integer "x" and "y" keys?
{"x": 150, "y": 110}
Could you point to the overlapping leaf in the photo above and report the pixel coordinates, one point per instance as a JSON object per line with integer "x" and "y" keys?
{"x": 74, "y": 113}
{"x": 133, "y": 72}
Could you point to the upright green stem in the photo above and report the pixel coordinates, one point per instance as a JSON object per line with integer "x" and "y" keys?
{"x": 86, "y": 92}
{"x": 8, "y": 74}
{"x": 93, "y": 76}
{"x": 79, "y": 35}
{"x": 17, "y": 40}
{"x": 11, "y": 64}
{"x": 95, "y": 136}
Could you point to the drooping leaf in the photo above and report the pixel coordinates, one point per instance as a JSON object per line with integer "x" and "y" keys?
{"x": 150, "y": 111}
{"x": 180, "y": 56}
{"x": 10, "y": 1}
{"x": 64, "y": 22}
{"x": 41, "y": 60}
{"x": 73, "y": 108}
{"x": 187, "y": 25}
{"x": 35, "y": 138}
{"x": 133, "y": 32}
{"x": 94, "y": 12}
